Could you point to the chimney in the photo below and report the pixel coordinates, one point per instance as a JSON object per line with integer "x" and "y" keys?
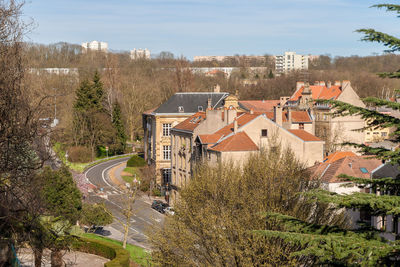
{"x": 329, "y": 84}
{"x": 337, "y": 83}
{"x": 209, "y": 104}
{"x": 289, "y": 115}
{"x": 283, "y": 100}
{"x": 351, "y": 165}
{"x": 316, "y": 83}
{"x": 217, "y": 88}
{"x": 322, "y": 83}
{"x": 235, "y": 125}
{"x": 278, "y": 114}
{"x": 251, "y": 111}
{"x": 299, "y": 85}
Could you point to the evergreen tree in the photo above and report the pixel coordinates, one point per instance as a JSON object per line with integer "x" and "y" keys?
{"x": 118, "y": 124}
{"x": 270, "y": 75}
{"x": 365, "y": 246}
{"x": 91, "y": 123}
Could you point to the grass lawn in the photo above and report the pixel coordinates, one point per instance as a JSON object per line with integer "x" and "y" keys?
{"x": 138, "y": 254}
{"x": 132, "y": 171}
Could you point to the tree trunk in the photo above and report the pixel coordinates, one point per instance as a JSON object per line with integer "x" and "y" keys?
{"x": 126, "y": 234}
{"x": 56, "y": 258}
{"x": 38, "y": 257}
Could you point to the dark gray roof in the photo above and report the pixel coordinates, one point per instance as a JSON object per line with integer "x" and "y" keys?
{"x": 190, "y": 102}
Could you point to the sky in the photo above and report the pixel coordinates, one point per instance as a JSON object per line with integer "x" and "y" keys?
{"x": 213, "y": 27}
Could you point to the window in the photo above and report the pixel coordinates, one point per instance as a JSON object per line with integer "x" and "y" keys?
{"x": 180, "y": 109}
{"x": 376, "y": 133}
{"x": 301, "y": 126}
{"x": 167, "y": 152}
{"x": 363, "y": 170}
{"x": 166, "y": 129}
{"x": 166, "y": 174}
{"x": 264, "y": 133}
{"x": 383, "y": 134}
{"x": 200, "y": 108}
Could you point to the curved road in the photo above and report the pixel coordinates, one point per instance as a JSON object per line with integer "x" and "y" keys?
{"x": 144, "y": 220}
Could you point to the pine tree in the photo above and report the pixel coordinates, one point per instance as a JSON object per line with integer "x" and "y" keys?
{"x": 364, "y": 246}
{"x": 119, "y": 128}
{"x": 91, "y": 123}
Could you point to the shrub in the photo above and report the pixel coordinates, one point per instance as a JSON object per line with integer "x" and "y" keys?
{"x": 136, "y": 161}
{"x": 79, "y": 154}
{"x": 119, "y": 256}
{"x": 156, "y": 192}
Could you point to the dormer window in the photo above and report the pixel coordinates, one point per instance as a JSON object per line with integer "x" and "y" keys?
{"x": 180, "y": 109}
{"x": 200, "y": 108}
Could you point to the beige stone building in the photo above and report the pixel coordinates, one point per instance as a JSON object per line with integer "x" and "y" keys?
{"x": 158, "y": 122}
{"x": 227, "y": 134}
{"x": 333, "y": 130}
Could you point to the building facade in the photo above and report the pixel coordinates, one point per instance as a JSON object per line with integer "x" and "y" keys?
{"x": 95, "y": 46}
{"x": 290, "y": 61}
{"x": 158, "y": 122}
{"x": 140, "y": 54}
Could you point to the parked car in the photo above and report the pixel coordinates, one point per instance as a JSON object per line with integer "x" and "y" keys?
{"x": 159, "y": 206}
{"x": 169, "y": 211}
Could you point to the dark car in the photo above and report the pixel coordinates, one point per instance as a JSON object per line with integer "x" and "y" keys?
{"x": 159, "y": 206}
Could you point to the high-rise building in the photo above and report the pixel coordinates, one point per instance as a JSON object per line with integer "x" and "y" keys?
{"x": 140, "y": 53}
{"x": 290, "y": 61}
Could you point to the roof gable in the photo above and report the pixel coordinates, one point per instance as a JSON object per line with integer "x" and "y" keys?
{"x": 237, "y": 142}
{"x": 303, "y": 135}
{"x": 259, "y": 105}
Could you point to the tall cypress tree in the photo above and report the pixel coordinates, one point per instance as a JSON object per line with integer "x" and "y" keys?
{"x": 119, "y": 127}
{"x": 362, "y": 247}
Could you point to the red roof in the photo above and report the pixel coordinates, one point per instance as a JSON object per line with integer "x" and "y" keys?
{"x": 192, "y": 122}
{"x": 305, "y": 136}
{"x": 297, "y": 116}
{"x": 338, "y": 155}
{"x": 241, "y": 120}
{"x": 209, "y": 138}
{"x": 259, "y": 105}
{"x": 319, "y": 92}
{"x": 355, "y": 166}
{"x": 237, "y": 142}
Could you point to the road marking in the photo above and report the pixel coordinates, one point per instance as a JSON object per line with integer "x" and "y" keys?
{"x": 157, "y": 220}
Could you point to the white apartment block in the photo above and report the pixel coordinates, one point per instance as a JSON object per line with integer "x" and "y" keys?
{"x": 140, "y": 53}
{"x": 94, "y": 45}
{"x": 290, "y": 61}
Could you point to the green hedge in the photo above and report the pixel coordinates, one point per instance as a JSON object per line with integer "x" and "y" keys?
{"x": 136, "y": 161}
{"x": 118, "y": 256}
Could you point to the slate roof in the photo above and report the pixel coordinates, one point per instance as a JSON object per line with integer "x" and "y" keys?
{"x": 351, "y": 166}
{"x": 191, "y": 102}
{"x": 237, "y": 142}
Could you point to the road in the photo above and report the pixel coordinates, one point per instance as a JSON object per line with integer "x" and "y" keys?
{"x": 144, "y": 220}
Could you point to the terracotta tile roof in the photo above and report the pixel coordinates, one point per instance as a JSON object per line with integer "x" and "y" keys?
{"x": 192, "y": 122}
{"x": 259, "y": 105}
{"x": 319, "y": 92}
{"x": 148, "y": 112}
{"x": 338, "y": 155}
{"x": 237, "y": 142}
{"x": 305, "y": 136}
{"x": 209, "y": 138}
{"x": 356, "y": 166}
{"x": 297, "y": 116}
{"x": 241, "y": 120}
